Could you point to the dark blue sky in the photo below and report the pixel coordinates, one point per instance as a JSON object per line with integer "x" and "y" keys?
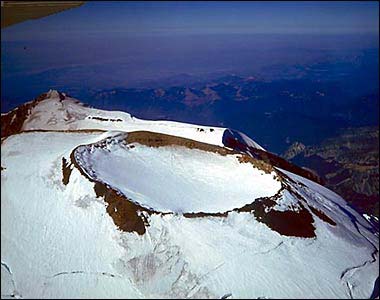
{"x": 127, "y": 44}
{"x": 169, "y": 18}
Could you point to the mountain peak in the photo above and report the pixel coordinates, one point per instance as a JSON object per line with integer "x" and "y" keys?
{"x": 53, "y": 94}
{"x": 148, "y": 196}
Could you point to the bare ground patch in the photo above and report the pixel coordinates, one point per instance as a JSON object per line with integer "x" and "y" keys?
{"x": 322, "y": 216}
{"x": 125, "y": 214}
{"x": 66, "y": 171}
{"x": 12, "y": 122}
{"x": 154, "y": 139}
{"x": 290, "y": 223}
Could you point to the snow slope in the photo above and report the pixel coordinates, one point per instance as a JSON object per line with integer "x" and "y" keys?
{"x": 60, "y": 240}
{"x": 69, "y": 114}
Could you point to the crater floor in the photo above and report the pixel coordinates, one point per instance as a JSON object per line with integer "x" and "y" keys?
{"x": 174, "y": 178}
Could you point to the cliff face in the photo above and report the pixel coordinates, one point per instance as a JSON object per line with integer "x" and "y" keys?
{"x": 348, "y": 163}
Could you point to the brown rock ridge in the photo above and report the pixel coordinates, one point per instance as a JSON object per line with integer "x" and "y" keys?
{"x": 231, "y": 140}
{"x": 13, "y": 121}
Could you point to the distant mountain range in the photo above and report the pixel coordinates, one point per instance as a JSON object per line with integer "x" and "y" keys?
{"x": 347, "y": 163}
{"x": 270, "y": 110}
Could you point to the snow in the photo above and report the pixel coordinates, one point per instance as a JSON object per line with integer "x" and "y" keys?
{"x": 250, "y": 142}
{"x": 95, "y": 284}
{"x": 287, "y": 202}
{"x": 74, "y": 250}
{"x": 43, "y": 232}
{"x": 334, "y": 205}
{"x": 370, "y": 217}
{"x": 241, "y": 256}
{"x": 58, "y": 241}
{"x": 69, "y": 114}
{"x": 194, "y": 180}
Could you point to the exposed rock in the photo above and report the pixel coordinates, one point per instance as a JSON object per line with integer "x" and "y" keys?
{"x": 348, "y": 163}
{"x": 295, "y": 149}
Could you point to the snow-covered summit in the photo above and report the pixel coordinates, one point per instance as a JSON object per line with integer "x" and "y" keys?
{"x": 52, "y": 94}
{"x": 102, "y": 204}
{"x": 57, "y": 111}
